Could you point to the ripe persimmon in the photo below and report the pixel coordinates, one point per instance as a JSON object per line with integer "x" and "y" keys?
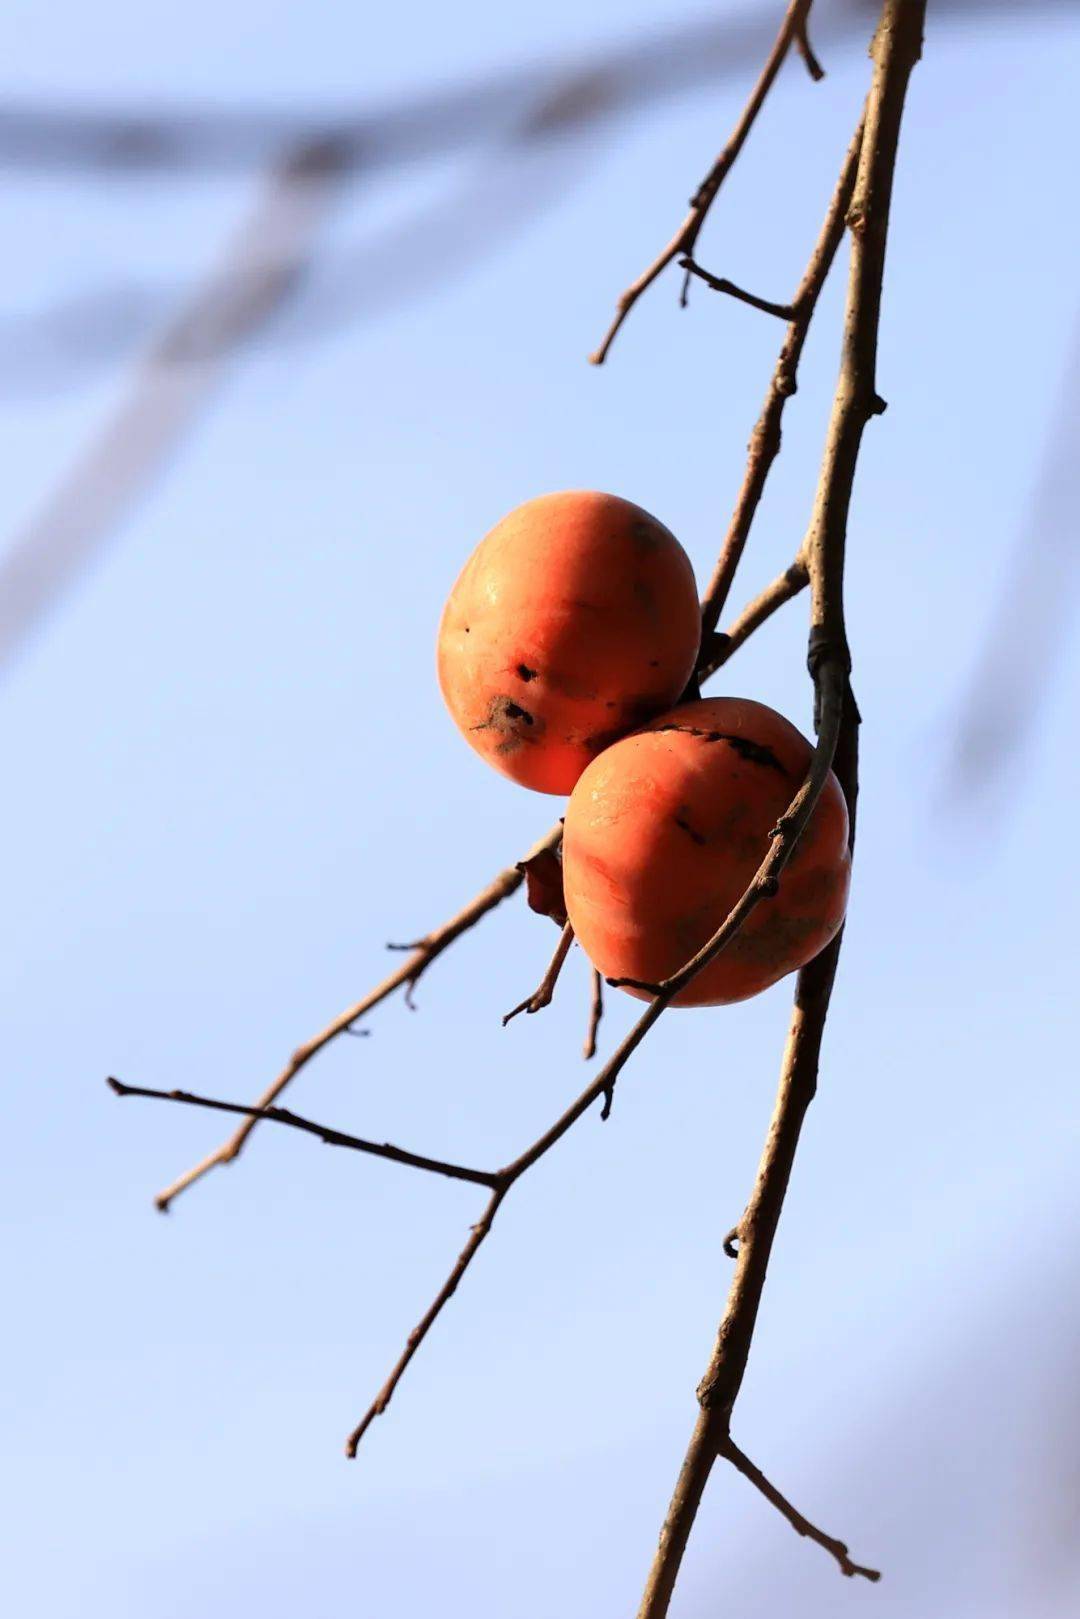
{"x": 575, "y": 619}
{"x": 664, "y": 832}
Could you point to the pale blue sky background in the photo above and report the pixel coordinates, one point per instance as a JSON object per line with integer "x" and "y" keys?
{"x": 230, "y": 779}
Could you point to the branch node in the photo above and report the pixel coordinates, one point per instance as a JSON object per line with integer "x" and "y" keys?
{"x": 730, "y": 1240}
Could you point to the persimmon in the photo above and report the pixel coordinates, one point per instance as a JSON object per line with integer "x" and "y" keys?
{"x": 574, "y": 620}
{"x": 664, "y": 832}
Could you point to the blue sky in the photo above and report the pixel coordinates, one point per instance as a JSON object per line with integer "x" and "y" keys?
{"x": 231, "y": 780}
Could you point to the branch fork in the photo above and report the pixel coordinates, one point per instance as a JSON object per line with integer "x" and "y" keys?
{"x": 861, "y": 198}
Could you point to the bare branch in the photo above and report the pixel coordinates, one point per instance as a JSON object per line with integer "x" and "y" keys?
{"x": 717, "y": 649}
{"x": 754, "y": 1234}
{"x": 333, "y": 1138}
{"x": 596, "y": 1012}
{"x": 422, "y": 954}
{"x": 765, "y": 439}
{"x": 541, "y": 995}
{"x": 685, "y": 238}
{"x": 805, "y": 50}
{"x": 784, "y": 840}
{"x": 836, "y": 1548}
{"x": 896, "y": 49}
{"x": 476, "y": 1236}
{"x": 720, "y": 283}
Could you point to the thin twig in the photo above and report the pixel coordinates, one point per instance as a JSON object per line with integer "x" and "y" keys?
{"x": 423, "y": 953}
{"x": 596, "y": 1012}
{"x": 765, "y": 439}
{"x": 541, "y": 995}
{"x": 333, "y": 1138}
{"x": 763, "y": 449}
{"x": 784, "y": 839}
{"x": 754, "y": 1233}
{"x": 685, "y": 239}
{"x": 896, "y": 48}
{"x": 805, "y": 50}
{"x": 718, "y": 648}
{"x": 720, "y": 283}
{"x": 836, "y": 1548}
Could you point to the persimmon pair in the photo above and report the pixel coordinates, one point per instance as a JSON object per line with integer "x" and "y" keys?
{"x": 563, "y": 650}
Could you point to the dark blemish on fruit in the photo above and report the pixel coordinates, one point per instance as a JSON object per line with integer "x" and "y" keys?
{"x": 509, "y": 718}
{"x": 466, "y": 629}
{"x": 685, "y": 826}
{"x": 645, "y": 536}
{"x": 755, "y": 753}
{"x": 654, "y": 663}
{"x": 525, "y": 672}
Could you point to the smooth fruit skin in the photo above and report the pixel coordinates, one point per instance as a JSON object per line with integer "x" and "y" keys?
{"x": 573, "y": 621}
{"x": 664, "y": 833}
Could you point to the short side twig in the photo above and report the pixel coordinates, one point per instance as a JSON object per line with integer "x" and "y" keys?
{"x": 721, "y": 283}
{"x": 717, "y": 649}
{"x": 792, "y": 31}
{"x": 541, "y": 995}
{"x": 596, "y": 1012}
{"x": 836, "y": 1548}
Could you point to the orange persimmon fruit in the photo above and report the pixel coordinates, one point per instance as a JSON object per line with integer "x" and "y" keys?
{"x": 664, "y": 832}
{"x": 575, "y": 619}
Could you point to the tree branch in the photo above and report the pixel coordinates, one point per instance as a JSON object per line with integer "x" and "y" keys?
{"x": 541, "y": 995}
{"x": 763, "y": 449}
{"x": 596, "y": 1012}
{"x": 896, "y": 49}
{"x": 755, "y": 1232}
{"x": 720, "y": 283}
{"x": 422, "y": 954}
{"x": 784, "y": 839}
{"x": 792, "y": 30}
{"x": 836, "y": 1548}
{"x": 332, "y": 1138}
{"x": 717, "y": 649}
{"x": 765, "y": 440}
